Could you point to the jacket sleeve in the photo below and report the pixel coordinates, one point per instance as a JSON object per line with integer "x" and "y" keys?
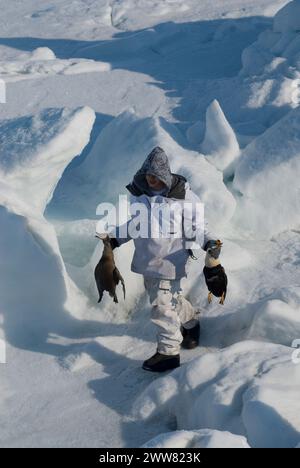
{"x": 196, "y": 230}
{"x": 121, "y": 234}
{"x": 208, "y": 236}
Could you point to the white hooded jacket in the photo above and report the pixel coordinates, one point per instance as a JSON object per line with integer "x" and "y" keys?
{"x": 165, "y": 227}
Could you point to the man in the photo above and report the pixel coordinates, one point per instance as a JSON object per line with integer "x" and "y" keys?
{"x": 162, "y": 260}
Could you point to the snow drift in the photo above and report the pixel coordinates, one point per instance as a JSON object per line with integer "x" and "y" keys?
{"x": 36, "y": 292}
{"x": 271, "y": 66}
{"x": 276, "y": 52}
{"x": 249, "y": 389}
{"x": 36, "y": 149}
{"x": 277, "y": 320}
{"x": 42, "y": 62}
{"x": 271, "y": 161}
{"x": 288, "y": 18}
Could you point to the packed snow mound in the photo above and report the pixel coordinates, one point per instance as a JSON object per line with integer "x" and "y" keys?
{"x": 249, "y": 389}
{"x": 272, "y": 66}
{"x": 195, "y": 133}
{"x": 274, "y": 319}
{"x": 274, "y": 56}
{"x": 42, "y": 53}
{"x": 125, "y": 14}
{"x": 288, "y": 18}
{"x": 271, "y": 161}
{"x": 277, "y": 320}
{"x": 274, "y": 59}
{"x": 42, "y": 62}
{"x": 130, "y": 15}
{"x": 204, "y": 438}
{"x": 33, "y": 281}
{"x": 220, "y": 145}
{"x": 34, "y": 151}
{"x": 119, "y": 152}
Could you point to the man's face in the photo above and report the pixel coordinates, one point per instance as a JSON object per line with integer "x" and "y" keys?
{"x": 154, "y": 182}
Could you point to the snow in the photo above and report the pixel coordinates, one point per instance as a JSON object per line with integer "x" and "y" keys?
{"x": 39, "y": 148}
{"x": 270, "y": 161}
{"x": 42, "y": 53}
{"x": 220, "y": 144}
{"x": 271, "y": 63}
{"x": 282, "y": 313}
{"x": 91, "y": 87}
{"x": 242, "y": 389}
{"x": 288, "y": 18}
{"x": 205, "y": 438}
{"x": 42, "y": 61}
{"x": 36, "y": 149}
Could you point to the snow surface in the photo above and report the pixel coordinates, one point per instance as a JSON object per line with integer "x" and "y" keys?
{"x": 42, "y": 61}
{"x": 288, "y": 18}
{"x": 249, "y": 389}
{"x": 203, "y": 438}
{"x": 91, "y": 87}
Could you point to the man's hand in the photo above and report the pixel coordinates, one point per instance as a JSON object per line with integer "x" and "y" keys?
{"x": 102, "y": 235}
{"x": 213, "y": 247}
{"x": 113, "y": 241}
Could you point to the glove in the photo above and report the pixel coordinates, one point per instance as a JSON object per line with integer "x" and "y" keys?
{"x": 113, "y": 242}
{"x": 213, "y": 247}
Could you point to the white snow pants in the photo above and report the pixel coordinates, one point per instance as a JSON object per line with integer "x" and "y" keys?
{"x": 170, "y": 310}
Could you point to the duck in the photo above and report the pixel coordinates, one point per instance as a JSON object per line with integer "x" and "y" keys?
{"x": 214, "y": 273}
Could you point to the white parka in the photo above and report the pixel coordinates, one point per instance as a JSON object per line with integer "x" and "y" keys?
{"x": 162, "y": 249}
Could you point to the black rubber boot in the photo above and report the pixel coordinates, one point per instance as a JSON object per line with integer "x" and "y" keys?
{"x": 191, "y": 336}
{"x": 161, "y": 362}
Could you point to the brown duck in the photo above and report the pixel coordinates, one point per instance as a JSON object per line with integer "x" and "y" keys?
{"x": 107, "y": 275}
